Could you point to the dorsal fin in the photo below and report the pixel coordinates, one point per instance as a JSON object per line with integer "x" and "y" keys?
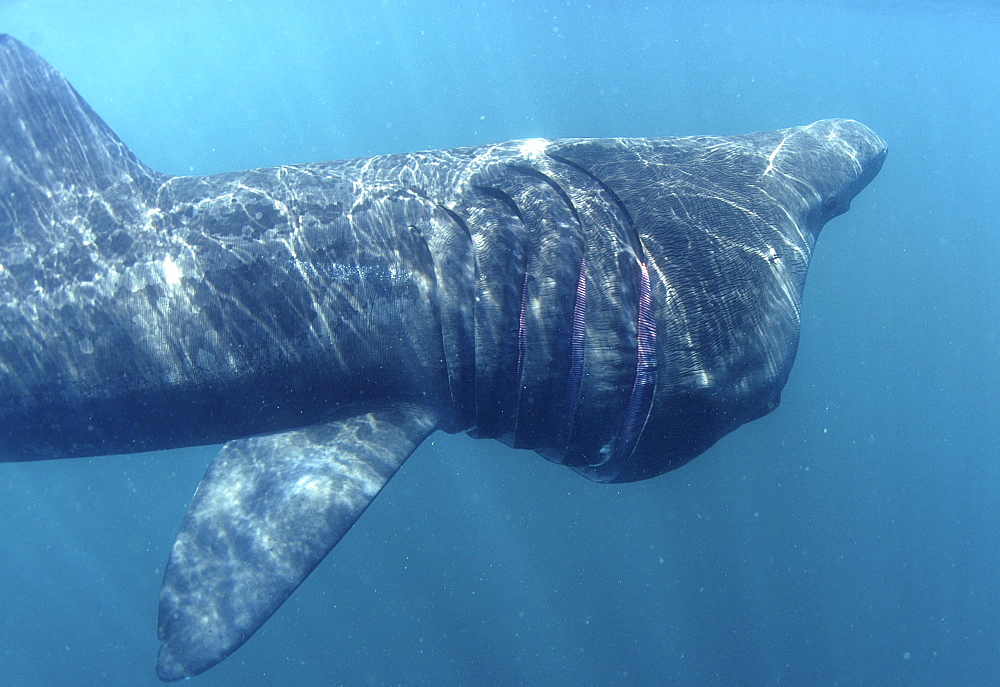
{"x": 54, "y": 148}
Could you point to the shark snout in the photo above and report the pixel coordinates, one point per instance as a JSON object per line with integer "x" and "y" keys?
{"x": 852, "y": 156}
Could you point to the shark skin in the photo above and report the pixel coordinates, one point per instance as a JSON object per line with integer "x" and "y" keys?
{"x": 616, "y": 305}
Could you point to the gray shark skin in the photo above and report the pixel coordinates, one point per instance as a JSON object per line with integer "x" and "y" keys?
{"x": 616, "y": 305}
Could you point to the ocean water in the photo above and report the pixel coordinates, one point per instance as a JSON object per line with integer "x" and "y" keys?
{"x": 852, "y": 537}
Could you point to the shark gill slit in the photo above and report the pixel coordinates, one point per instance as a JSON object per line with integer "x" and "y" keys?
{"x": 578, "y": 332}
{"x": 455, "y": 379}
{"x": 641, "y": 398}
{"x": 521, "y": 341}
{"x": 554, "y": 185}
{"x": 577, "y": 340}
{"x": 645, "y": 372}
{"x": 600, "y": 183}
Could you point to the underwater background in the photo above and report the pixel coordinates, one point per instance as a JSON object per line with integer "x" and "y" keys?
{"x": 852, "y": 537}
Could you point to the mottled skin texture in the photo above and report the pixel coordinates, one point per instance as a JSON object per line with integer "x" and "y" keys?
{"x": 616, "y": 304}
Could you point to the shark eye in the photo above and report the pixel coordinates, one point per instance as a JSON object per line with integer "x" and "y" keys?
{"x": 833, "y": 206}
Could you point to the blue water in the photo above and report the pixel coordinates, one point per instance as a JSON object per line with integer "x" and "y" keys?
{"x": 850, "y": 538}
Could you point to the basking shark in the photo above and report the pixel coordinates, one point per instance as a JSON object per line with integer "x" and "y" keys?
{"x": 616, "y": 305}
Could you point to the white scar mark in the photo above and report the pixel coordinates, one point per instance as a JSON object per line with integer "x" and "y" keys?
{"x": 774, "y": 154}
{"x": 533, "y": 146}
{"x": 171, "y": 272}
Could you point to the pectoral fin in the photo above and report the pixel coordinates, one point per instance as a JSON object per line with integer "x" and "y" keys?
{"x": 267, "y": 512}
